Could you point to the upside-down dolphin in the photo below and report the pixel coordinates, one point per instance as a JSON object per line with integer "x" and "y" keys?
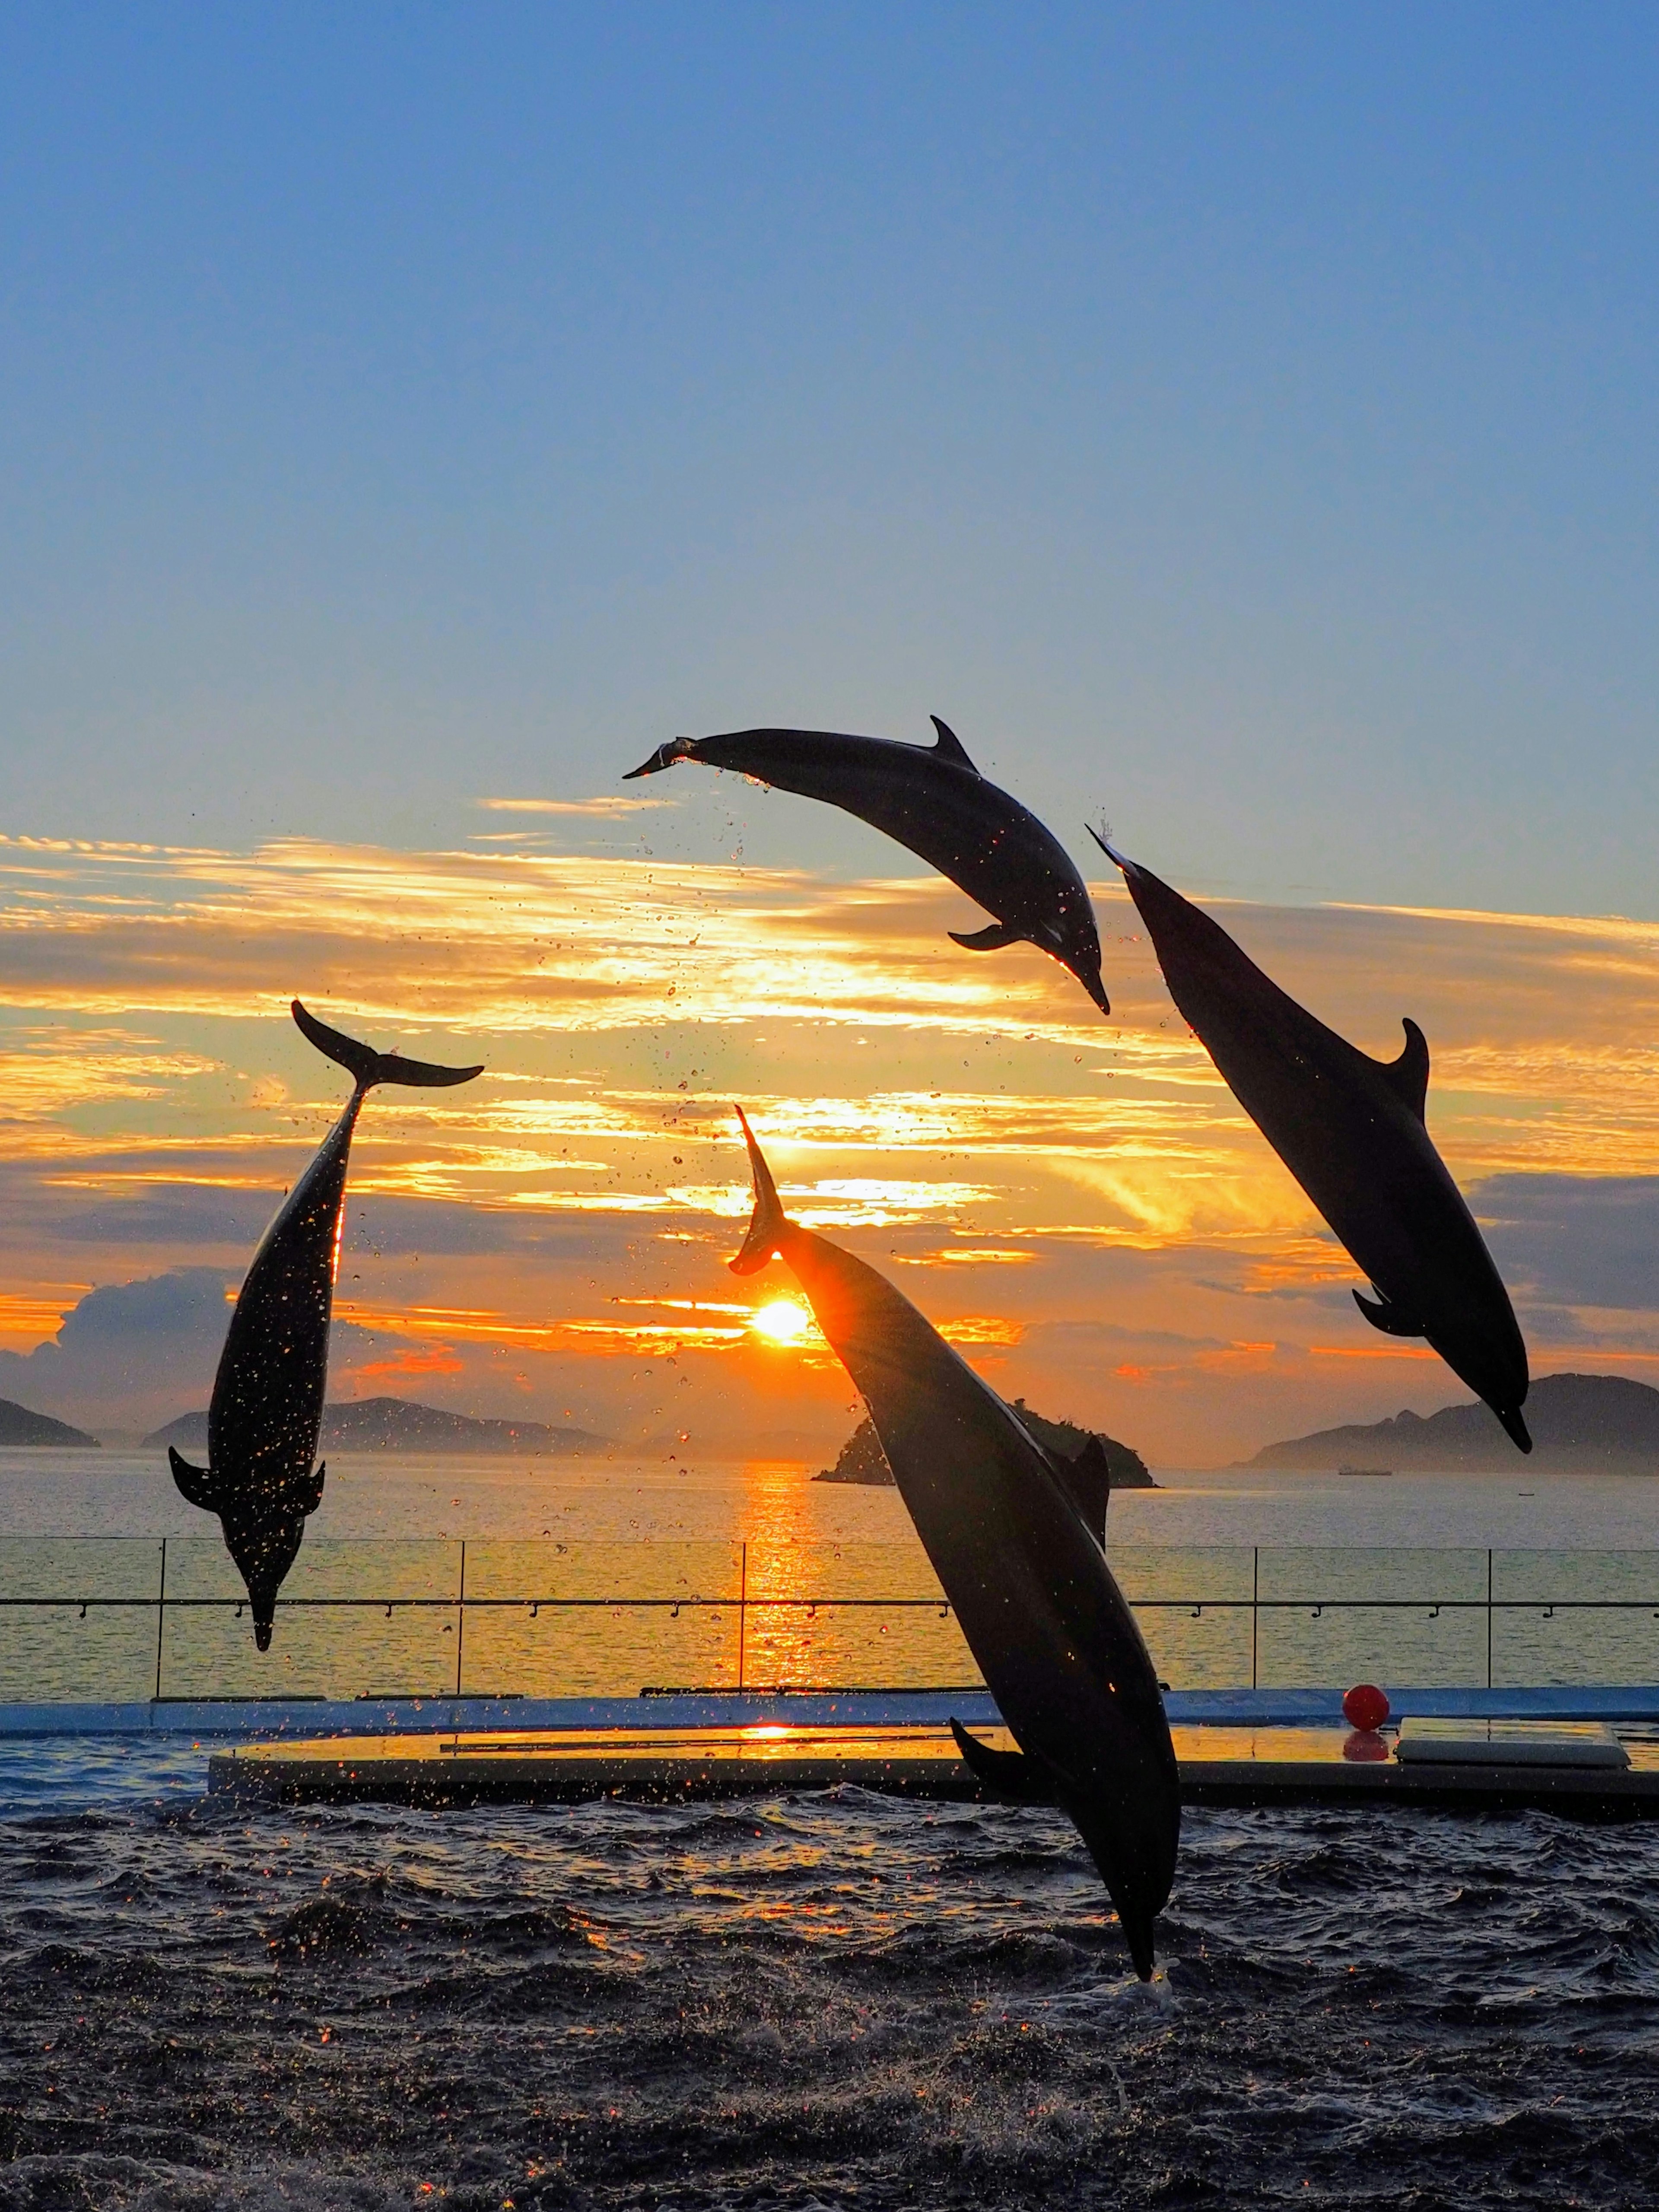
{"x": 934, "y": 802}
{"x": 1351, "y": 1130}
{"x": 267, "y": 1405}
{"x": 1012, "y": 1532}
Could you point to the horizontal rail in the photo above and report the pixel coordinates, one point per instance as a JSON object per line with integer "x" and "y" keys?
{"x": 940, "y": 1606}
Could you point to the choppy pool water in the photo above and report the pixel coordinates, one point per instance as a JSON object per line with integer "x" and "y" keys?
{"x": 824, "y": 1999}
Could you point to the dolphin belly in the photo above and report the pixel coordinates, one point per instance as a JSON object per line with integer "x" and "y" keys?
{"x": 1060, "y": 1650}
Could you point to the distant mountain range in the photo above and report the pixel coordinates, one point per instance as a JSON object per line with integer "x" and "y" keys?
{"x": 19, "y": 1427}
{"x": 1580, "y": 1425}
{"x": 401, "y": 1425}
{"x": 862, "y": 1459}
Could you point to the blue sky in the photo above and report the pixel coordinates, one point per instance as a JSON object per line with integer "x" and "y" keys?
{"x": 1238, "y": 420}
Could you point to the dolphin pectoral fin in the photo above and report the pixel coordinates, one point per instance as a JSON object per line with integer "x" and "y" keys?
{"x": 768, "y": 1221}
{"x": 986, "y": 940}
{"x": 313, "y": 1497}
{"x": 1409, "y": 1076}
{"x": 950, "y": 747}
{"x": 1007, "y": 1774}
{"x": 676, "y": 749}
{"x": 366, "y": 1066}
{"x": 1382, "y": 1315}
{"x": 1087, "y": 1481}
{"x": 196, "y": 1485}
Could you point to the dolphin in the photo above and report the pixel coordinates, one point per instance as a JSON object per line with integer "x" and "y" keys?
{"x": 934, "y": 802}
{"x": 1014, "y": 1534}
{"x": 1351, "y": 1130}
{"x": 267, "y": 1405}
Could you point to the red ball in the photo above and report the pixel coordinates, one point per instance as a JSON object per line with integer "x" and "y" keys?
{"x": 1365, "y": 1707}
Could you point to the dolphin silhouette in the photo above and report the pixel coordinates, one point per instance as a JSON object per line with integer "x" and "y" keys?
{"x": 1014, "y": 1534}
{"x": 267, "y": 1405}
{"x": 934, "y": 802}
{"x": 1351, "y": 1130}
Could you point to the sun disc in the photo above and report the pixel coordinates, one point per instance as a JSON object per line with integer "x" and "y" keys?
{"x": 782, "y": 1320}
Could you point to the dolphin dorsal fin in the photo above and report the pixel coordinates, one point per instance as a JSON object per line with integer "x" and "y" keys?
{"x": 1087, "y": 1481}
{"x": 1409, "y": 1074}
{"x": 950, "y": 747}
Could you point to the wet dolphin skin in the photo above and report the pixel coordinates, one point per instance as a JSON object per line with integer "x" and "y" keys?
{"x": 267, "y": 1405}
{"x": 1001, "y": 1520}
{"x": 1351, "y": 1130}
{"x": 934, "y": 802}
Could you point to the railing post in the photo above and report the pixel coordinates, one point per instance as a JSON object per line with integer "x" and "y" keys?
{"x": 1489, "y": 1616}
{"x": 1255, "y": 1606}
{"x": 161, "y": 1615}
{"x": 460, "y": 1619}
{"x": 743, "y": 1608}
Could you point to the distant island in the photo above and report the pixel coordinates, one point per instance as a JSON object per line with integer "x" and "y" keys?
{"x": 1580, "y": 1425}
{"x": 19, "y": 1427}
{"x": 862, "y": 1459}
{"x": 401, "y": 1425}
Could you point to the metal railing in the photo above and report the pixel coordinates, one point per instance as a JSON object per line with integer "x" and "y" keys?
{"x": 744, "y": 1616}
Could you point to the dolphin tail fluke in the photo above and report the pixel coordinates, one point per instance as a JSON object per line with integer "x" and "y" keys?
{"x": 368, "y": 1067}
{"x": 676, "y": 749}
{"x": 768, "y": 1222}
{"x": 196, "y": 1485}
{"x": 1006, "y": 1774}
{"x": 985, "y": 940}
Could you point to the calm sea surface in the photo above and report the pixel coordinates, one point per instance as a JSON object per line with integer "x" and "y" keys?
{"x": 823, "y": 1999}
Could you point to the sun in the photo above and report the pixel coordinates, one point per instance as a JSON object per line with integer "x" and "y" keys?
{"x": 782, "y": 1320}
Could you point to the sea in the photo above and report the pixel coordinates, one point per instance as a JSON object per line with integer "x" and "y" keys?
{"x": 821, "y": 1999}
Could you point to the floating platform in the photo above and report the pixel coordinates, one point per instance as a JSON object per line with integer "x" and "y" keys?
{"x": 1220, "y": 1764}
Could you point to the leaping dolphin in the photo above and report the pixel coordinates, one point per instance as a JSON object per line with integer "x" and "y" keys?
{"x": 934, "y": 802}
{"x": 267, "y": 1405}
{"x": 1351, "y": 1130}
{"x": 1010, "y": 1529}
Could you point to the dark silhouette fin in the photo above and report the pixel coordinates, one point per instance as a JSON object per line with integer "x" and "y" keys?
{"x": 313, "y": 1497}
{"x": 1409, "y": 1076}
{"x": 1087, "y": 1481}
{"x": 1006, "y": 1774}
{"x": 768, "y": 1221}
{"x": 986, "y": 940}
{"x": 369, "y": 1066}
{"x": 196, "y": 1485}
{"x": 1514, "y": 1427}
{"x": 676, "y": 749}
{"x": 950, "y": 747}
{"x": 1111, "y": 851}
{"x": 1388, "y": 1317}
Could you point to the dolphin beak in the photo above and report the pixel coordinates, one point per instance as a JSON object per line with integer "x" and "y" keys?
{"x": 1096, "y": 989}
{"x": 1514, "y": 1427}
{"x": 664, "y": 757}
{"x": 1137, "y": 1934}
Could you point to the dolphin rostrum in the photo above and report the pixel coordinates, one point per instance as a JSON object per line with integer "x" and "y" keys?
{"x": 267, "y": 1405}
{"x": 933, "y": 801}
{"x": 1014, "y": 1534}
{"x": 1351, "y": 1130}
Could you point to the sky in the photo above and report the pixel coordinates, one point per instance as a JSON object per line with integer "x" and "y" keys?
{"x": 1238, "y": 424}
